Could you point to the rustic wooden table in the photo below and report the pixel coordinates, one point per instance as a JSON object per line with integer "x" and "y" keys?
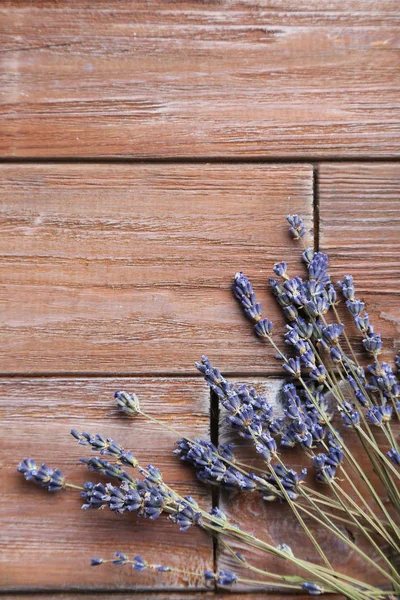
{"x": 150, "y": 149}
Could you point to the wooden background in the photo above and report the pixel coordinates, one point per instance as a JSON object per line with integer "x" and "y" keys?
{"x": 148, "y": 151}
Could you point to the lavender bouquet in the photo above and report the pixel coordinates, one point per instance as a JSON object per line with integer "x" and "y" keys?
{"x": 327, "y": 393}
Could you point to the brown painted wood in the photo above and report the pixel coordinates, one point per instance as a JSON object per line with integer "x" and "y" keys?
{"x": 121, "y": 596}
{"x": 128, "y": 268}
{"x": 359, "y": 228}
{"x": 156, "y": 79}
{"x": 160, "y": 596}
{"x": 275, "y": 523}
{"x": 46, "y": 540}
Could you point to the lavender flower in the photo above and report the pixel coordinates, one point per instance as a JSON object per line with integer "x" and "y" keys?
{"x": 250, "y": 413}
{"x": 362, "y": 322}
{"x": 45, "y": 476}
{"x": 336, "y": 355}
{"x": 243, "y": 291}
{"x": 226, "y": 578}
{"x": 104, "y": 467}
{"x": 297, "y": 229}
{"x": 373, "y": 344}
{"x": 292, "y": 366}
{"x": 139, "y": 564}
{"x": 127, "y": 403}
{"x": 312, "y": 588}
{"x": 307, "y": 255}
{"x": 95, "y": 495}
{"x": 355, "y": 307}
{"x": 264, "y": 328}
{"x": 187, "y": 513}
{"x": 394, "y": 456}
{"x": 94, "y": 562}
{"x": 120, "y": 559}
{"x": 106, "y": 446}
{"x": 377, "y": 415}
{"x": 326, "y": 464}
{"x": 347, "y": 287}
{"x": 318, "y": 267}
{"x": 288, "y": 478}
{"x": 332, "y": 333}
{"x": 280, "y": 269}
{"x": 209, "y": 575}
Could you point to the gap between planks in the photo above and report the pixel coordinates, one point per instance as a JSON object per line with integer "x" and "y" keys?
{"x": 125, "y": 375}
{"x": 189, "y": 160}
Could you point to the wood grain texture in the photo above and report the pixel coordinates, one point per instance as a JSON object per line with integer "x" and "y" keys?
{"x": 176, "y": 79}
{"x": 128, "y": 268}
{"x": 275, "y": 523}
{"x": 161, "y": 596}
{"x": 359, "y": 228}
{"x": 46, "y": 540}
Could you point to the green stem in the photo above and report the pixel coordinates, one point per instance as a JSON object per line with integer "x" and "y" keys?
{"x": 332, "y": 527}
{"x": 293, "y": 507}
{"x": 349, "y": 455}
{"x": 74, "y": 487}
{"x": 344, "y": 334}
{"x": 322, "y": 499}
{"x": 382, "y": 531}
{"x": 321, "y": 573}
{"x": 332, "y": 486}
{"x": 378, "y": 451}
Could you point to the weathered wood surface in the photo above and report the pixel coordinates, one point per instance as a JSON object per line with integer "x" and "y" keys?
{"x": 160, "y": 596}
{"x": 359, "y": 207}
{"x": 46, "y": 540}
{"x": 275, "y": 523}
{"x": 156, "y": 79}
{"x": 125, "y": 270}
{"x": 128, "y": 268}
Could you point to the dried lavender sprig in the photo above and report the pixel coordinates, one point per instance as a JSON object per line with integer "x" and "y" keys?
{"x": 138, "y": 563}
{"x": 273, "y": 494}
{"x": 297, "y": 229}
{"x": 243, "y": 290}
{"x": 222, "y": 577}
{"x": 52, "y": 479}
{"x": 222, "y": 453}
{"x": 210, "y": 464}
{"x": 211, "y": 470}
{"x": 372, "y": 343}
{"x": 156, "y": 498}
{"x": 233, "y": 475}
{"x": 106, "y": 446}
{"x": 249, "y": 424}
{"x": 98, "y": 495}
{"x": 99, "y": 465}
{"x": 128, "y": 403}
{"x": 294, "y": 368}
{"x": 316, "y": 300}
{"x": 293, "y": 285}
{"x": 246, "y": 408}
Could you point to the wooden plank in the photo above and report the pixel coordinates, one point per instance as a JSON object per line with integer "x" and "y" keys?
{"x": 155, "y": 79}
{"x": 360, "y": 220}
{"x": 128, "y": 268}
{"x": 121, "y": 596}
{"x": 160, "y": 596}
{"x": 46, "y": 540}
{"x": 275, "y": 523}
